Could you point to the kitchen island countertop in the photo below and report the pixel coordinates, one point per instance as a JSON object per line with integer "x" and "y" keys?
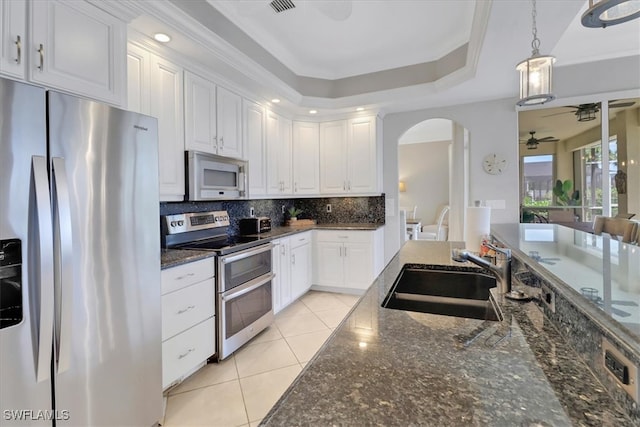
{"x": 392, "y": 367}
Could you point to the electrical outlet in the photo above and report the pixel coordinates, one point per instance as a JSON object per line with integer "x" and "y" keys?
{"x": 284, "y": 208}
{"x": 252, "y": 212}
{"x": 328, "y": 208}
{"x": 548, "y": 298}
{"x": 621, "y": 368}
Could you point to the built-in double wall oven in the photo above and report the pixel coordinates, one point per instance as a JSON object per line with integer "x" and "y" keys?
{"x": 244, "y": 300}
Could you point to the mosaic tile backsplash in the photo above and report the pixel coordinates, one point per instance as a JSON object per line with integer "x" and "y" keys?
{"x": 343, "y": 209}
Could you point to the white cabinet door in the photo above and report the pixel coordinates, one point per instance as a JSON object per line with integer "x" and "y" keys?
{"x": 300, "y": 270}
{"x": 306, "y": 158}
{"x": 329, "y": 268}
{"x": 13, "y": 43}
{"x": 361, "y": 150}
{"x": 358, "y": 265}
{"x": 229, "y": 122}
{"x": 333, "y": 157}
{"x": 254, "y": 141}
{"x": 77, "y": 47}
{"x": 274, "y": 184}
{"x": 281, "y": 256}
{"x": 285, "y": 157}
{"x": 167, "y": 107}
{"x": 279, "y": 145}
{"x": 138, "y": 80}
{"x": 199, "y": 114}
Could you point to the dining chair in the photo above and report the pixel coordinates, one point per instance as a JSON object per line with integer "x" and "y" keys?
{"x": 618, "y": 228}
{"x": 411, "y": 212}
{"x": 439, "y": 230}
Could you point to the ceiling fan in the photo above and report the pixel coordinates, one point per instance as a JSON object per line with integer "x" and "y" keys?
{"x": 587, "y": 112}
{"x": 532, "y": 142}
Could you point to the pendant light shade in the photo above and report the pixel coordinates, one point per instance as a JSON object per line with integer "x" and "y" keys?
{"x": 602, "y": 13}
{"x": 536, "y": 72}
{"x": 535, "y": 80}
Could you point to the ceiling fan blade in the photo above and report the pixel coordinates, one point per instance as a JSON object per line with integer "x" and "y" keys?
{"x": 621, "y": 104}
{"x": 557, "y": 114}
{"x": 548, "y": 139}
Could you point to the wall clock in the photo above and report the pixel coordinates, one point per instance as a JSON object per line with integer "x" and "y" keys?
{"x": 494, "y": 164}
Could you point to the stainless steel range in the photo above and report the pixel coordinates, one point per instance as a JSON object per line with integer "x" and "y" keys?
{"x": 243, "y": 274}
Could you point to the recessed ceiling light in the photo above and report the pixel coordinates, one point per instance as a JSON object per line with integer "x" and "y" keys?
{"x": 360, "y": 109}
{"x": 275, "y": 100}
{"x": 162, "y": 37}
{"x": 313, "y": 111}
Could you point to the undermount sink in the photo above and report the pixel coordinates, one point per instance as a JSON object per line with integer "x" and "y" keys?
{"x": 451, "y": 293}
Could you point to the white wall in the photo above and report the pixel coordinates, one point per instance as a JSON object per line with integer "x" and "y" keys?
{"x": 424, "y": 168}
{"x": 492, "y": 127}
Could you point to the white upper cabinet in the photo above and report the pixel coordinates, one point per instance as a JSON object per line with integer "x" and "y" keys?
{"x": 213, "y": 118}
{"x": 167, "y": 106}
{"x": 13, "y": 32}
{"x": 254, "y": 142}
{"x": 229, "y": 123}
{"x": 333, "y": 157}
{"x": 77, "y": 47}
{"x": 138, "y": 80}
{"x": 349, "y": 158}
{"x": 362, "y": 155}
{"x": 200, "y": 114}
{"x": 306, "y": 158}
{"x": 278, "y": 149}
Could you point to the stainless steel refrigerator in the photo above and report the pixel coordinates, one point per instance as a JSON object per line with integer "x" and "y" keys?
{"x": 80, "y": 329}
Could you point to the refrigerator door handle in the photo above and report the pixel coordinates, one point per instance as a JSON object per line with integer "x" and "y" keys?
{"x": 43, "y": 276}
{"x": 63, "y": 252}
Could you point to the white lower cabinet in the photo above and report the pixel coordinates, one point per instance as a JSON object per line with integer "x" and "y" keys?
{"x": 292, "y": 266}
{"x": 347, "y": 260}
{"x": 301, "y": 264}
{"x": 188, "y": 319}
{"x": 281, "y": 283}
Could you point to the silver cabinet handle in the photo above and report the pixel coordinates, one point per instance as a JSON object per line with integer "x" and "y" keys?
{"x": 183, "y": 355}
{"x": 222, "y": 143}
{"x": 185, "y": 276}
{"x": 343, "y": 237}
{"x": 41, "y": 52}
{"x": 184, "y": 310}
{"x": 295, "y": 186}
{"x": 344, "y": 185}
{"x": 293, "y": 259}
{"x": 345, "y": 251}
{"x": 63, "y": 282}
{"x": 42, "y": 283}
{"x": 18, "y": 49}
{"x": 349, "y": 185}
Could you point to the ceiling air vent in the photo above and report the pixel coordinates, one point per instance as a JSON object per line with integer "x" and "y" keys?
{"x": 282, "y": 5}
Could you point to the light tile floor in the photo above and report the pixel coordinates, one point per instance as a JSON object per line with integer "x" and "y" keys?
{"x": 241, "y": 390}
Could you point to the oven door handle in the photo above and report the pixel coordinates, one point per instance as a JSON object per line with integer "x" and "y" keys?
{"x": 247, "y": 253}
{"x": 246, "y": 288}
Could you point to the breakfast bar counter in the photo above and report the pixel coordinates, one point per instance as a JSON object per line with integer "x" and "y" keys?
{"x": 392, "y": 367}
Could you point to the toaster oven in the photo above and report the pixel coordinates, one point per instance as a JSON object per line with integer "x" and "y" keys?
{"x": 255, "y": 225}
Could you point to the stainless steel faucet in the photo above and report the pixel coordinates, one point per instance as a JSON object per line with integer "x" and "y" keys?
{"x": 501, "y": 270}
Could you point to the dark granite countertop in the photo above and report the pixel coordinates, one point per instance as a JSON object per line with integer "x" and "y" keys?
{"x": 174, "y": 257}
{"x": 392, "y": 367}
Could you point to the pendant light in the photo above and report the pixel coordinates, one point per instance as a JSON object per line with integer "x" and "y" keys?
{"x": 536, "y": 72}
{"x": 602, "y": 13}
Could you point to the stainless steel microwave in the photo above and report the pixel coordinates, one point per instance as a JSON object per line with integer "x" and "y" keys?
{"x": 211, "y": 177}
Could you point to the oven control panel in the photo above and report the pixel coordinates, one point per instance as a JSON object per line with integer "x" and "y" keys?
{"x": 181, "y": 223}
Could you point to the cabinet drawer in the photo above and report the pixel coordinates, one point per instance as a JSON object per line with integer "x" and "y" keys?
{"x": 186, "y": 307}
{"x": 300, "y": 239}
{"x": 187, "y": 274}
{"x": 182, "y": 353}
{"x": 344, "y": 236}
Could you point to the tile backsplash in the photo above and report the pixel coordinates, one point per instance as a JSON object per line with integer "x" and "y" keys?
{"x": 343, "y": 209}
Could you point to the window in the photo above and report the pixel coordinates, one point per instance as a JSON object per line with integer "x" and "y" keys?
{"x": 591, "y": 162}
{"x": 537, "y": 180}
